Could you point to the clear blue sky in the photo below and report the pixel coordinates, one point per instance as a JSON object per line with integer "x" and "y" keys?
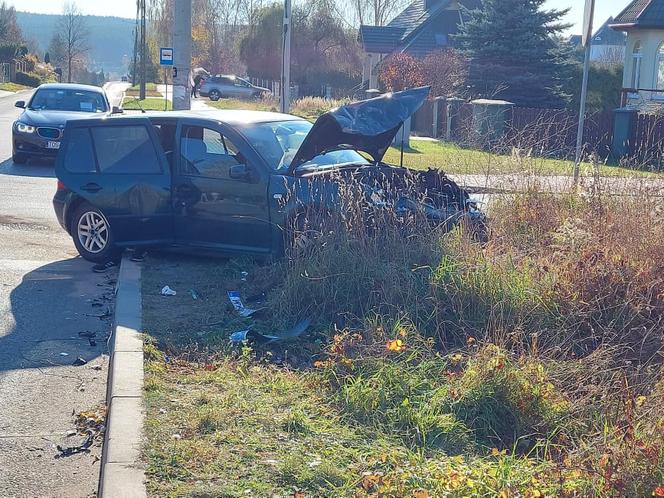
{"x": 127, "y": 8}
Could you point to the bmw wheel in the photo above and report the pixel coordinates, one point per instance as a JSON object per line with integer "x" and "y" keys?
{"x": 92, "y": 235}
{"x": 215, "y": 95}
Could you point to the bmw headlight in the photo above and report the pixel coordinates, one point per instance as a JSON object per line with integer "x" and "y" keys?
{"x": 24, "y": 128}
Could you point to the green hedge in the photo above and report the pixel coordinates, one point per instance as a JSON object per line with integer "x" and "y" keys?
{"x": 28, "y": 79}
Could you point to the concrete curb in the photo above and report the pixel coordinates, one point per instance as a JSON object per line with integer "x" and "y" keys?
{"x": 122, "y": 472}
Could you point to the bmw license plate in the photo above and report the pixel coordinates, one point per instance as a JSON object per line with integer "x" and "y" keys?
{"x": 52, "y": 145}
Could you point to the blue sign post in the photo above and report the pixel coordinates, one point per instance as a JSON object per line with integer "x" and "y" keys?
{"x": 166, "y": 59}
{"x": 166, "y": 56}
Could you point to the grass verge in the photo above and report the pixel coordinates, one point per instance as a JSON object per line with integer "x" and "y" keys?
{"x": 223, "y": 423}
{"x": 149, "y": 104}
{"x": 150, "y": 90}
{"x": 434, "y": 366}
{"x": 13, "y": 87}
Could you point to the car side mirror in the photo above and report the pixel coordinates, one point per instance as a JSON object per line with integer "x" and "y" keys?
{"x": 20, "y": 104}
{"x": 116, "y": 110}
{"x": 240, "y": 172}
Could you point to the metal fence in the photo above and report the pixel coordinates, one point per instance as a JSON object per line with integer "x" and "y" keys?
{"x": 4, "y": 72}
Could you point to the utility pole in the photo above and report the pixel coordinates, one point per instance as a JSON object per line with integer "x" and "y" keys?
{"x": 144, "y": 67}
{"x": 134, "y": 67}
{"x": 587, "y": 43}
{"x": 181, "y": 55}
{"x": 286, "y": 58}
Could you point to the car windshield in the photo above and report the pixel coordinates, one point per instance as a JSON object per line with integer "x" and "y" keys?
{"x": 60, "y": 99}
{"x": 278, "y": 142}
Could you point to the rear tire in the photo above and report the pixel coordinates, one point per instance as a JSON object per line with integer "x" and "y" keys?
{"x": 215, "y": 95}
{"x": 19, "y": 158}
{"x": 92, "y": 235}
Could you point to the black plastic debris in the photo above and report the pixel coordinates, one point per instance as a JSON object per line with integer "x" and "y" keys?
{"x": 78, "y": 362}
{"x": 84, "y": 447}
{"x": 252, "y": 336}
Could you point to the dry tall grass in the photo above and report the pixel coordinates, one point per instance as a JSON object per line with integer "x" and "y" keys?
{"x": 570, "y": 285}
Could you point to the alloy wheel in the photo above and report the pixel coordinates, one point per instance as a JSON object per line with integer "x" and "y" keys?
{"x": 93, "y": 232}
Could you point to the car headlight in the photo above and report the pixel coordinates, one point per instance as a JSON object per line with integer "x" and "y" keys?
{"x": 24, "y": 128}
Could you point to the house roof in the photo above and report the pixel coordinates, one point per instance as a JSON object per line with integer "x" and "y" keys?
{"x": 380, "y": 39}
{"x": 418, "y": 28}
{"x": 607, "y": 36}
{"x": 641, "y": 14}
{"x": 575, "y": 40}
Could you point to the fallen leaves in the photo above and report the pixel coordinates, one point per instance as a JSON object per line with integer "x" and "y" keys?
{"x": 396, "y": 346}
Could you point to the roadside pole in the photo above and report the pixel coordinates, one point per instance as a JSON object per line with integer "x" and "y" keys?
{"x": 587, "y": 43}
{"x": 286, "y": 59}
{"x": 144, "y": 54}
{"x": 166, "y": 61}
{"x": 181, "y": 55}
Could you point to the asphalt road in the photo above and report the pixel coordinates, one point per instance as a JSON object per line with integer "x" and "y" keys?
{"x": 48, "y": 295}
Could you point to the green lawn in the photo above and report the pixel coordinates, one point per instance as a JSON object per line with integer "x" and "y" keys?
{"x": 149, "y": 104}
{"x": 454, "y": 159}
{"x": 13, "y": 87}
{"x": 250, "y": 105}
{"x": 150, "y": 87}
{"x": 443, "y": 155}
{"x": 150, "y": 90}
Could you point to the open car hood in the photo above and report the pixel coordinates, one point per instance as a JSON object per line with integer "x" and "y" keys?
{"x": 367, "y": 126}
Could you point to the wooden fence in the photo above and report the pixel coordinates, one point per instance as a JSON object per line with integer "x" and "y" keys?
{"x": 542, "y": 132}
{"x": 646, "y": 141}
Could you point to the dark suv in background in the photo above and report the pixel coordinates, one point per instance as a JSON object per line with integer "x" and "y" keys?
{"x": 37, "y": 133}
{"x": 230, "y": 86}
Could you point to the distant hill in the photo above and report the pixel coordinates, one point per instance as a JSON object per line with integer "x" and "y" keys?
{"x": 111, "y": 39}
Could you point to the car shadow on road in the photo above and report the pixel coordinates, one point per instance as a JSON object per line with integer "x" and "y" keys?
{"x": 42, "y": 169}
{"x": 61, "y": 312}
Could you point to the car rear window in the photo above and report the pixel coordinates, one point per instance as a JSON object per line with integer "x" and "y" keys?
{"x": 126, "y": 150}
{"x": 79, "y": 157}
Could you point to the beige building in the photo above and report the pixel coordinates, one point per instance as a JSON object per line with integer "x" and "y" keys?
{"x": 643, "y": 76}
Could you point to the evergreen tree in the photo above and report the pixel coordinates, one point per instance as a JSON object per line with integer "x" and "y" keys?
{"x": 515, "y": 53}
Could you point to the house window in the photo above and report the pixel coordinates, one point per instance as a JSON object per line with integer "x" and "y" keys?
{"x": 659, "y": 71}
{"x": 636, "y": 65}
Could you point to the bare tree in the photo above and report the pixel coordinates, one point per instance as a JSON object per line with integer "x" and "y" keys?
{"x": 376, "y": 12}
{"x": 73, "y": 36}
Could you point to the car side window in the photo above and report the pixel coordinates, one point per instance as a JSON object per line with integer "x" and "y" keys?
{"x": 166, "y": 135}
{"x": 125, "y": 150}
{"x": 79, "y": 156}
{"x": 207, "y": 153}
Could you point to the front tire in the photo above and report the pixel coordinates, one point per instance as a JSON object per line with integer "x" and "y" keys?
{"x": 215, "y": 95}
{"x": 92, "y": 234}
{"x": 19, "y": 158}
